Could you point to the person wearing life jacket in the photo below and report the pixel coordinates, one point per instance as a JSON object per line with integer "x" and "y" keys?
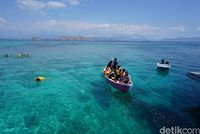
{"x": 126, "y": 78}
{"x": 20, "y": 55}
{"x": 117, "y": 72}
{"x": 107, "y": 71}
{"x": 40, "y": 78}
{"x": 104, "y": 70}
{"x": 121, "y": 73}
{"x": 124, "y": 72}
{"x": 112, "y": 75}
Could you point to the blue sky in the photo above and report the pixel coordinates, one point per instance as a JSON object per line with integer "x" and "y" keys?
{"x": 149, "y": 19}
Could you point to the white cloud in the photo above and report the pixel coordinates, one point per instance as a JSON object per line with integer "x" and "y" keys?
{"x": 98, "y": 29}
{"x": 2, "y": 20}
{"x": 178, "y": 28}
{"x": 30, "y": 4}
{"x": 73, "y": 2}
{"x": 56, "y": 28}
{"x": 198, "y": 28}
{"x": 35, "y": 5}
{"x": 55, "y": 4}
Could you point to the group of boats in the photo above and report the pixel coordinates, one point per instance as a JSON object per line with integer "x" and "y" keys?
{"x": 163, "y": 65}
{"x": 19, "y": 55}
{"x": 120, "y": 85}
{"x": 124, "y": 87}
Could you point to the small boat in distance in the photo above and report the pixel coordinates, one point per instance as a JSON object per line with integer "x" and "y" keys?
{"x": 194, "y": 75}
{"x": 21, "y": 55}
{"x": 119, "y": 85}
{"x": 163, "y": 65}
{"x": 6, "y": 55}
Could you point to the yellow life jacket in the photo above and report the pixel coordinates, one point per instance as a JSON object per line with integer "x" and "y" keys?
{"x": 124, "y": 74}
{"x": 121, "y": 73}
{"x": 19, "y": 55}
{"x": 40, "y": 78}
{"x": 112, "y": 78}
{"x": 117, "y": 72}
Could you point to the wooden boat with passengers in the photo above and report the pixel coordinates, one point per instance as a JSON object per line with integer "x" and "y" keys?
{"x": 124, "y": 87}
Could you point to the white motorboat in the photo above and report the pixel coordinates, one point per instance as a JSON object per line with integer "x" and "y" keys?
{"x": 163, "y": 66}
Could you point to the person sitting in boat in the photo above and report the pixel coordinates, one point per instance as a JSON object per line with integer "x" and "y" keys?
{"x": 122, "y": 73}
{"x": 117, "y": 72}
{"x": 162, "y": 61}
{"x": 109, "y": 64}
{"x": 107, "y": 71}
{"x": 112, "y": 75}
{"x": 167, "y": 62}
{"x": 126, "y": 78}
{"x": 28, "y": 55}
{"x": 20, "y": 55}
{"x": 114, "y": 63}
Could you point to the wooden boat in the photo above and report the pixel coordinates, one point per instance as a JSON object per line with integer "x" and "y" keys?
{"x": 119, "y": 85}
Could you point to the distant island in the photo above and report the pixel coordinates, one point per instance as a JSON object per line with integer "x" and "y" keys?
{"x": 86, "y": 38}
{"x": 184, "y": 39}
{"x": 36, "y": 38}
{"x": 76, "y": 38}
{"x": 64, "y": 38}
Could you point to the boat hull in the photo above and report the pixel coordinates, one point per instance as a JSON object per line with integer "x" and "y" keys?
{"x": 194, "y": 75}
{"x": 122, "y": 87}
{"x": 163, "y": 66}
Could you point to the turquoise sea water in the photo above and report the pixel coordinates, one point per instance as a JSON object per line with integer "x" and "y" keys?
{"x": 75, "y": 97}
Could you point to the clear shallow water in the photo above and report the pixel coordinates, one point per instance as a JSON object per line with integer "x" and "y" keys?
{"x": 75, "y": 97}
